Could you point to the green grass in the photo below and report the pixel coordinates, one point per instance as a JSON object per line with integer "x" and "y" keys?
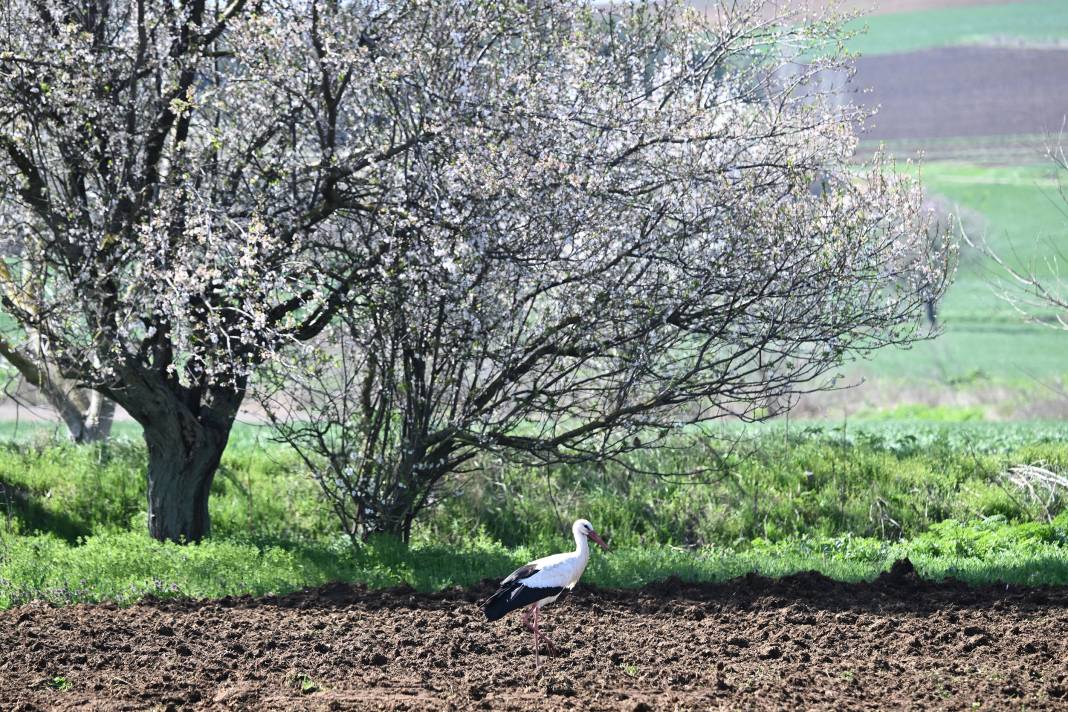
{"x": 1018, "y": 212}
{"x": 260, "y": 492}
{"x": 846, "y": 500}
{"x": 1036, "y": 21}
{"x": 882, "y": 479}
{"x": 925, "y": 413}
{"x": 126, "y": 567}
{"x": 1021, "y": 214}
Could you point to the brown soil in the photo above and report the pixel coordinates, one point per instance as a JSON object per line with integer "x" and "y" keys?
{"x": 753, "y": 643}
{"x": 882, "y": 7}
{"x": 870, "y": 7}
{"x": 964, "y": 91}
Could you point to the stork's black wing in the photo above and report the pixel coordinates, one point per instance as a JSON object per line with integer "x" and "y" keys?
{"x": 513, "y": 594}
{"x": 519, "y": 574}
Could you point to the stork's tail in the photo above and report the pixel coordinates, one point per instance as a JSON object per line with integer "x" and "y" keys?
{"x": 497, "y": 605}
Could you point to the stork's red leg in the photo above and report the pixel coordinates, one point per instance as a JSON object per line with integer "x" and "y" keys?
{"x": 534, "y": 629}
{"x": 548, "y": 643}
{"x": 526, "y": 617}
{"x": 538, "y": 635}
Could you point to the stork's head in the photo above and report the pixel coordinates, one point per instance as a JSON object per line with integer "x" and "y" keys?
{"x": 582, "y": 527}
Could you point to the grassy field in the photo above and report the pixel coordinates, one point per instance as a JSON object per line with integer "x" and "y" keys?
{"x": 988, "y": 355}
{"x": 1018, "y": 212}
{"x": 1015, "y": 209}
{"x": 1036, "y": 22}
{"x": 847, "y": 501}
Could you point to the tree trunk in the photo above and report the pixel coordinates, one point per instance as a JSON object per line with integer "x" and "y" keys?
{"x": 182, "y": 460}
{"x": 397, "y": 523}
{"x": 186, "y": 432}
{"x": 87, "y": 414}
{"x": 98, "y": 418}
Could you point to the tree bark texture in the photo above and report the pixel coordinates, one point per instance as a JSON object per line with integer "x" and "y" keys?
{"x": 186, "y": 432}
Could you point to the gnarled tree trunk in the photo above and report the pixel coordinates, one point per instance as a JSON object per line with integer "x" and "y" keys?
{"x": 186, "y": 431}
{"x": 182, "y": 460}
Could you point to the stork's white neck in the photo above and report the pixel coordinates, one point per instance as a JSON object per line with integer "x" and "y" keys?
{"x": 582, "y": 545}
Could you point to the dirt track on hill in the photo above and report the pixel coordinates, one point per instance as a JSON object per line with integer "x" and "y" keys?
{"x": 749, "y": 644}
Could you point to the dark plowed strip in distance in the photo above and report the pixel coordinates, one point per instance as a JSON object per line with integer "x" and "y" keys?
{"x": 964, "y": 91}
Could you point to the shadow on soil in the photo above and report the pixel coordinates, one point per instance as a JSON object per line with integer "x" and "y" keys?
{"x": 899, "y": 590}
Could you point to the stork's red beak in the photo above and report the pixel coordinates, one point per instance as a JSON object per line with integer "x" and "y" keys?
{"x": 593, "y": 535}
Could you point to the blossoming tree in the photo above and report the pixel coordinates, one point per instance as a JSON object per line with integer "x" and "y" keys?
{"x": 651, "y": 223}
{"x": 188, "y": 185}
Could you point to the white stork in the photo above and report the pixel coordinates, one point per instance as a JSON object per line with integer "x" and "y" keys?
{"x": 541, "y": 582}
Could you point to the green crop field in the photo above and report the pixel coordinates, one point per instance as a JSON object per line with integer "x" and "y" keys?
{"x": 1034, "y": 22}
{"x": 1018, "y": 211}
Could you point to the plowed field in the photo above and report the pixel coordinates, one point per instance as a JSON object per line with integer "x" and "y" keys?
{"x": 964, "y": 91}
{"x": 752, "y": 643}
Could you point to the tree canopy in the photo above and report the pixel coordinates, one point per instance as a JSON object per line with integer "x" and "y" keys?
{"x": 546, "y": 228}
{"x": 661, "y": 229}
